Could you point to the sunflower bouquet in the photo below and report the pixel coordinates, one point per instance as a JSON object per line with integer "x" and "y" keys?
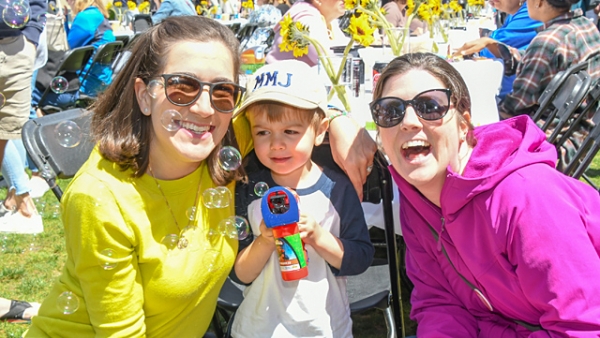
{"x": 367, "y": 17}
{"x": 144, "y": 7}
{"x": 203, "y": 8}
{"x": 247, "y": 6}
{"x": 115, "y": 10}
{"x": 475, "y": 6}
{"x": 296, "y": 39}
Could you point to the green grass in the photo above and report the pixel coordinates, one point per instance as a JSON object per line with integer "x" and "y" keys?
{"x": 31, "y": 263}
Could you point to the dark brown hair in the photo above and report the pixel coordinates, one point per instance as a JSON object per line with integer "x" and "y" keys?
{"x": 441, "y": 70}
{"x": 122, "y": 132}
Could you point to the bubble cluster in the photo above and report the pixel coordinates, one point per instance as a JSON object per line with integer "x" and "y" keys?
{"x": 68, "y": 134}
{"x": 214, "y": 198}
{"x": 260, "y": 189}
{"x": 170, "y": 120}
{"x": 67, "y": 302}
{"x": 229, "y": 158}
{"x": 107, "y": 259}
{"x": 16, "y": 13}
{"x": 59, "y": 85}
{"x": 235, "y": 227}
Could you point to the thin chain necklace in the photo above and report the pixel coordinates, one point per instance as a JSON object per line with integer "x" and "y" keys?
{"x": 182, "y": 242}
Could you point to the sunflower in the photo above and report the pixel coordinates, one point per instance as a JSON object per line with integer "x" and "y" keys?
{"x": 410, "y": 7}
{"x": 350, "y": 4}
{"x": 455, "y": 6}
{"x": 249, "y": 4}
{"x": 131, "y": 5}
{"x": 361, "y": 30}
{"x": 424, "y": 12}
{"x": 144, "y": 7}
{"x": 293, "y": 37}
{"x": 436, "y": 7}
{"x": 118, "y": 4}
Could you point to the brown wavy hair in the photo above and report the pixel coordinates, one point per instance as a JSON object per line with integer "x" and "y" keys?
{"x": 122, "y": 132}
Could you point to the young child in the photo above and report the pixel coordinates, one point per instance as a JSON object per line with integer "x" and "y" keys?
{"x": 286, "y": 112}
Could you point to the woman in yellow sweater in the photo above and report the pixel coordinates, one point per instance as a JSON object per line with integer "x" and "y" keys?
{"x": 145, "y": 256}
{"x": 140, "y": 261}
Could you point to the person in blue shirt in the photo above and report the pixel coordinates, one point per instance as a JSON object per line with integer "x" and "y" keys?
{"x": 173, "y": 8}
{"x": 518, "y": 31}
{"x": 89, "y": 27}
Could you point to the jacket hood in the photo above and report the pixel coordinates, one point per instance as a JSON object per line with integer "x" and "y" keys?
{"x": 502, "y": 148}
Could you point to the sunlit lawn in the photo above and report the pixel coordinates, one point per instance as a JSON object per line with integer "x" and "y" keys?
{"x": 29, "y": 265}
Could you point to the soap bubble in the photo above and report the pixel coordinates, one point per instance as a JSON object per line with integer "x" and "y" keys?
{"x": 227, "y": 227}
{"x": 182, "y": 243}
{"x": 242, "y": 227}
{"x": 107, "y": 259}
{"x": 235, "y": 227}
{"x": 67, "y": 302}
{"x": 154, "y": 87}
{"x": 229, "y": 158}
{"x": 260, "y": 189}
{"x": 191, "y": 234}
{"x": 59, "y": 85}
{"x": 191, "y": 213}
{"x": 223, "y": 198}
{"x": 170, "y": 241}
{"x": 2, "y": 100}
{"x": 68, "y": 134}
{"x": 213, "y": 260}
{"x": 209, "y": 196}
{"x": 170, "y": 119}
{"x": 16, "y": 14}
{"x": 55, "y": 210}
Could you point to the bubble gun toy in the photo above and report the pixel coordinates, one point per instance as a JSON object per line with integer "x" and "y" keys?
{"x": 279, "y": 209}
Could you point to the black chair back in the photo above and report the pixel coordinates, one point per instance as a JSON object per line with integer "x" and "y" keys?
{"x": 72, "y": 64}
{"x": 141, "y": 22}
{"x": 58, "y": 156}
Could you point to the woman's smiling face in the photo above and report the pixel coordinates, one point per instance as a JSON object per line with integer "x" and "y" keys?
{"x": 202, "y": 127}
{"x": 420, "y": 150}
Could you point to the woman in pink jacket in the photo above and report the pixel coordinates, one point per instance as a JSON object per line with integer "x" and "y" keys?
{"x": 499, "y": 243}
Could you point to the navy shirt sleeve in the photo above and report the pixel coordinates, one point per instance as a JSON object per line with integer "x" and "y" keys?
{"x": 354, "y": 232}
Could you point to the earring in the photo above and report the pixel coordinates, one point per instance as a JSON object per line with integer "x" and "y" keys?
{"x": 521, "y": 3}
{"x": 463, "y": 137}
{"x": 146, "y": 110}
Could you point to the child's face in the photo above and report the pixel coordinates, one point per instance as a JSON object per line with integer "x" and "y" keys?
{"x": 285, "y": 146}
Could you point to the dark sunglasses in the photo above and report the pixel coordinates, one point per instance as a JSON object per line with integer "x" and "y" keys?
{"x": 429, "y": 105}
{"x": 184, "y": 90}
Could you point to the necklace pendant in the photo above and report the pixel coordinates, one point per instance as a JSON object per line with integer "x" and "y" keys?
{"x": 182, "y": 243}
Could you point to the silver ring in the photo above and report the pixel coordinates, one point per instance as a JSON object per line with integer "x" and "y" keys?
{"x": 369, "y": 169}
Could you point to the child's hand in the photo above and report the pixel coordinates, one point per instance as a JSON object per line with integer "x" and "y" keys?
{"x": 265, "y": 232}
{"x": 310, "y": 231}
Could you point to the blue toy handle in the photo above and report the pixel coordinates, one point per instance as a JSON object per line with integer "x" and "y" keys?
{"x": 279, "y": 207}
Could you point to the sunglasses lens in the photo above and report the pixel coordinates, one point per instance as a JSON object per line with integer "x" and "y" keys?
{"x": 388, "y": 112}
{"x": 226, "y": 96}
{"x": 431, "y": 105}
{"x": 182, "y": 90}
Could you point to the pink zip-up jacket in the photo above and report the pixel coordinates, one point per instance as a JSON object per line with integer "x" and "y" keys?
{"x": 523, "y": 234}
